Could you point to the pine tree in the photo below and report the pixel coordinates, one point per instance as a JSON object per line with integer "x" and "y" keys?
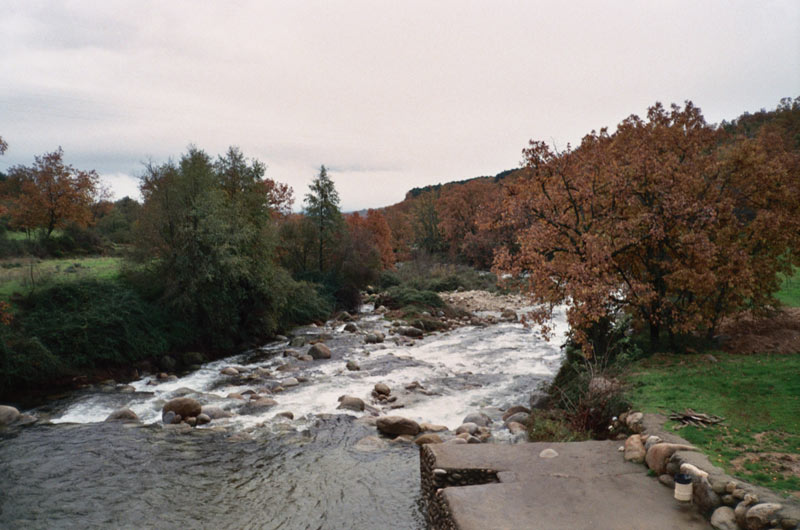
{"x": 322, "y": 208}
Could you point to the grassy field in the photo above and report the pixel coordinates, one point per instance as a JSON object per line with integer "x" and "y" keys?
{"x": 789, "y": 294}
{"x": 20, "y": 274}
{"x": 759, "y": 397}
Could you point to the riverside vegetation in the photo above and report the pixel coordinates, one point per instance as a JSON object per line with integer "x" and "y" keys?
{"x": 661, "y": 230}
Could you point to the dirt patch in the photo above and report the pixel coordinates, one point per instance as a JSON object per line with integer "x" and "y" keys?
{"x": 485, "y": 301}
{"x": 778, "y": 333}
{"x": 786, "y": 464}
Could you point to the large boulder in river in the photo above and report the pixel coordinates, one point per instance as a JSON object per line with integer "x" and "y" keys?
{"x": 319, "y": 351}
{"x": 397, "y": 425}
{"x": 478, "y": 418}
{"x": 123, "y": 415}
{"x": 8, "y": 415}
{"x": 351, "y": 403}
{"x": 183, "y": 407}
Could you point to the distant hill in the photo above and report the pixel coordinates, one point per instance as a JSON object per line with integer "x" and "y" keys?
{"x": 416, "y": 192}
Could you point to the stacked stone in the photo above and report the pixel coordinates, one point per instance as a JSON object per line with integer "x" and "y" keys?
{"x": 434, "y": 480}
{"x": 729, "y": 504}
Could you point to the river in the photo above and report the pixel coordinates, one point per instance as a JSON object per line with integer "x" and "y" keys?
{"x": 324, "y": 469}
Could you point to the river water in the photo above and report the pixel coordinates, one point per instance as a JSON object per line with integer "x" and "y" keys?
{"x": 324, "y": 469}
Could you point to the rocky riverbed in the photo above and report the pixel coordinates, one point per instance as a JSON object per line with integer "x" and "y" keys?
{"x": 316, "y": 430}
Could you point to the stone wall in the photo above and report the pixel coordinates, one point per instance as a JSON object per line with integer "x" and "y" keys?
{"x": 434, "y": 480}
{"x": 729, "y": 503}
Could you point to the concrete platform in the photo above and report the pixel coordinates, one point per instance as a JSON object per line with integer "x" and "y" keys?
{"x": 587, "y": 486}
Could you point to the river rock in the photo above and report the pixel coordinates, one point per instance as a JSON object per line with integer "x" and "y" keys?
{"x": 350, "y": 327}
{"x": 634, "y": 421}
{"x": 430, "y": 427}
{"x": 456, "y": 441}
{"x": 8, "y": 415}
{"x": 703, "y": 496}
{"x": 508, "y": 315}
{"x": 634, "y": 449}
{"x": 123, "y": 415}
{"x": 548, "y": 453}
{"x": 351, "y": 403}
{"x": 127, "y": 389}
{"x": 758, "y": 516}
{"x": 723, "y": 519}
{"x": 290, "y": 382}
{"x": 740, "y": 512}
{"x": 519, "y": 417}
{"x": 375, "y": 338}
{"x": 203, "y": 419}
{"x": 382, "y": 389}
{"x": 513, "y": 410}
{"x": 468, "y": 428}
{"x": 397, "y": 425}
{"x": 260, "y": 403}
{"x": 369, "y": 444}
{"x": 429, "y": 438}
{"x": 229, "y": 370}
{"x": 352, "y": 366}
{"x": 169, "y": 417}
{"x": 659, "y": 454}
{"x": 214, "y": 412}
{"x": 191, "y": 421}
{"x": 235, "y": 395}
{"x": 319, "y": 351}
{"x": 410, "y": 331}
{"x": 478, "y": 418}
{"x": 183, "y": 407}
{"x": 516, "y": 428}
{"x": 286, "y": 414}
{"x": 650, "y": 441}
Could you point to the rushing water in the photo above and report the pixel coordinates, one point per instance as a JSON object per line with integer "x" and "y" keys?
{"x": 325, "y": 469}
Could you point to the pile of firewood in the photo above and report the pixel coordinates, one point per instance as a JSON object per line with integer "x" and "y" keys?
{"x": 696, "y": 419}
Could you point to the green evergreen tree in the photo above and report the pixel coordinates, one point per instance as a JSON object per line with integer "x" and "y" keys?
{"x": 322, "y": 208}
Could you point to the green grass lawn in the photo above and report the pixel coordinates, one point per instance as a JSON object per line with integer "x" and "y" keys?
{"x": 789, "y": 294}
{"x": 758, "y": 395}
{"x": 16, "y": 274}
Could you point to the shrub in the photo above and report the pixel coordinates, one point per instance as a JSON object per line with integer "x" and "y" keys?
{"x": 90, "y": 322}
{"x": 585, "y": 389}
{"x": 24, "y": 361}
{"x": 401, "y": 296}
{"x": 306, "y": 304}
{"x": 552, "y": 426}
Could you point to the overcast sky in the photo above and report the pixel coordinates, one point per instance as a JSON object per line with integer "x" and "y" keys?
{"x": 388, "y": 95}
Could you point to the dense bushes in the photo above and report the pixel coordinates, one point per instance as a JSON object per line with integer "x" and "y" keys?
{"x": 402, "y": 296}
{"x": 67, "y": 328}
{"x": 585, "y": 394}
{"x": 79, "y": 325}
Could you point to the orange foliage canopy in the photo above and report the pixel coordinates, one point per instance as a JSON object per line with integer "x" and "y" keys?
{"x": 464, "y": 211}
{"x": 373, "y": 230}
{"x": 52, "y": 194}
{"x": 667, "y": 219}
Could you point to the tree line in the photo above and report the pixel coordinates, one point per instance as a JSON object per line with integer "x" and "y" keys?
{"x": 670, "y": 220}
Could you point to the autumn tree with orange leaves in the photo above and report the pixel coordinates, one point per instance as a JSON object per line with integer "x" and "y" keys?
{"x": 667, "y": 219}
{"x": 466, "y": 212}
{"x": 52, "y": 194}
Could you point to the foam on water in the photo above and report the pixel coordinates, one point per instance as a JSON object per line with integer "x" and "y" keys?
{"x": 460, "y": 371}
